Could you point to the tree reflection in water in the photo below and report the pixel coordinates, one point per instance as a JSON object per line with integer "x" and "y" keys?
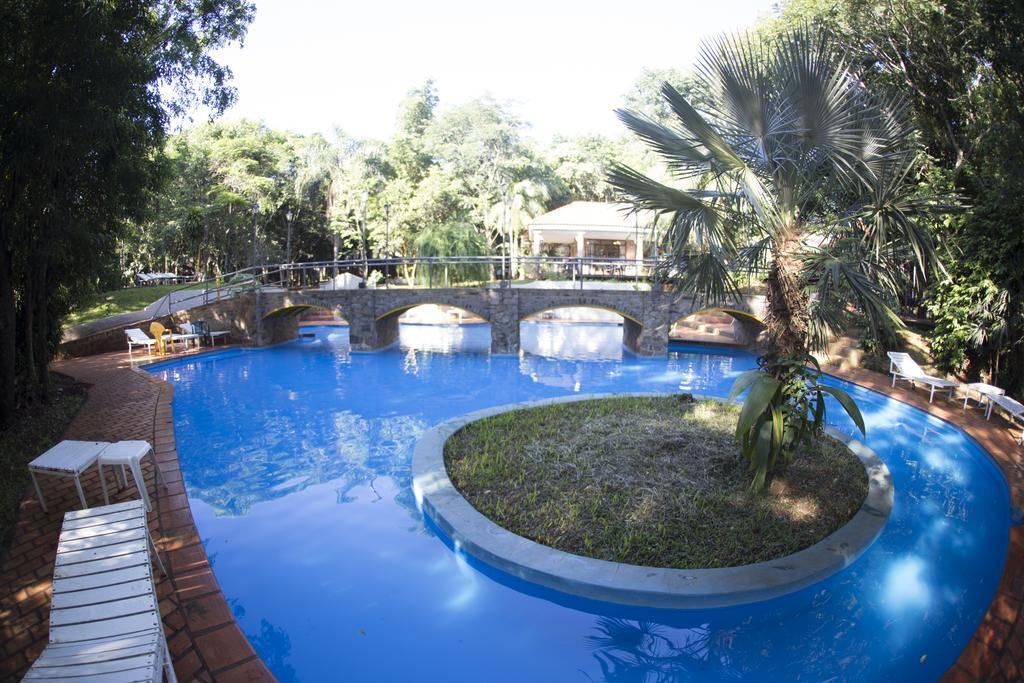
{"x": 629, "y": 651}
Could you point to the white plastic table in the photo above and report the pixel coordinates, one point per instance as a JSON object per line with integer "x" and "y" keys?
{"x": 66, "y": 459}
{"x": 129, "y": 454}
{"x": 984, "y": 392}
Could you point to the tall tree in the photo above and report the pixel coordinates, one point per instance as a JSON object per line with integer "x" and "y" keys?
{"x": 793, "y": 146}
{"x": 86, "y": 92}
{"x": 958, "y": 63}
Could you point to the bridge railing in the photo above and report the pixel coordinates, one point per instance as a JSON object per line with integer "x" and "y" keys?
{"x": 430, "y": 272}
{"x": 456, "y": 271}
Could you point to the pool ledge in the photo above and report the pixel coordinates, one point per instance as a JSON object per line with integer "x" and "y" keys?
{"x": 631, "y": 584}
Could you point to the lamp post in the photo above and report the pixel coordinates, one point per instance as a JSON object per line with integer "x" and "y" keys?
{"x": 366, "y": 244}
{"x": 288, "y": 241}
{"x": 387, "y": 240}
{"x": 255, "y": 219}
{"x": 504, "y": 231}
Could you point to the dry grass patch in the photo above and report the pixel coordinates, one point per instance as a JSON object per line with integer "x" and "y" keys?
{"x": 654, "y": 481}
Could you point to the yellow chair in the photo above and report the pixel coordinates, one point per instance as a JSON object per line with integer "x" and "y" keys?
{"x": 157, "y": 331}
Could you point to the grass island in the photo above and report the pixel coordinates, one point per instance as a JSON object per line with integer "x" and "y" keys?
{"x": 654, "y": 481}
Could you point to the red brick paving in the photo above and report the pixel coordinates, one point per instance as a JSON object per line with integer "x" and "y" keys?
{"x": 205, "y": 642}
{"x": 204, "y": 639}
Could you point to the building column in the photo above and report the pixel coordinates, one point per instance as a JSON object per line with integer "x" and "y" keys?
{"x": 538, "y": 242}
{"x": 581, "y": 252}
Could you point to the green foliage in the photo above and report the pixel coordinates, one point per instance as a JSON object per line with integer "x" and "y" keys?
{"x": 784, "y": 407}
{"x": 451, "y": 239}
{"x": 87, "y": 91}
{"x": 782, "y": 159}
{"x": 958, "y": 64}
{"x": 790, "y": 160}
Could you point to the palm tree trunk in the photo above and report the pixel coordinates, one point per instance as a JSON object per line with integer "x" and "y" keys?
{"x": 788, "y": 315}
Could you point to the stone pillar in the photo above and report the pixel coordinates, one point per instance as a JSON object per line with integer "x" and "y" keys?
{"x": 746, "y": 331}
{"x": 365, "y": 333}
{"x": 580, "y": 245}
{"x": 504, "y": 319}
{"x": 649, "y": 337}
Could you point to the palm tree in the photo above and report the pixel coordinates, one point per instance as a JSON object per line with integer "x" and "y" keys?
{"x": 523, "y": 201}
{"x": 793, "y": 167}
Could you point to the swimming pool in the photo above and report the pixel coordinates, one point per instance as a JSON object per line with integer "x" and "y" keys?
{"x": 296, "y": 461}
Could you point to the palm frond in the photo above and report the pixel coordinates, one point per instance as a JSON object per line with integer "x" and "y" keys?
{"x": 834, "y": 281}
{"x": 693, "y": 218}
{"x": 677, "y": 151}
{"x": 723, "y": 156}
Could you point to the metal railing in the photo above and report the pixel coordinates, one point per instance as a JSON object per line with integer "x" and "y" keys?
{"x": 429, "y": 272}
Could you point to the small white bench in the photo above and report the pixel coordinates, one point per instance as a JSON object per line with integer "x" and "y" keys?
{"x": 66, "y": 459}
{"x": 1013, "y": 408}
{"x": 105, "y": 622}
{"x": 984, "y": 392}
{"x": 129, "y": 454}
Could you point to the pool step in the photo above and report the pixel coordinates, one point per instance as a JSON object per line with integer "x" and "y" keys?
{"x": 706, "y": 327}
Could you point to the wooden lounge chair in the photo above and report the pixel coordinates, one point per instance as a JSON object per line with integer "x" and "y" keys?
{"x": 1015, "y": 409}
{"x": 902, "y": 366}
{"x": 105, "y": 620}
{"x": 137, "y": 337}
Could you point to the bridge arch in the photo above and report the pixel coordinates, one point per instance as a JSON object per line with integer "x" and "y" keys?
{"x": 281, "y": 323}
{"x": 298, "y": 310}
{"x": 745, "y": 329}
{"x": 397, "y": 311}
{"x": 632, "y": 321}
{"x": 559, "y": 306}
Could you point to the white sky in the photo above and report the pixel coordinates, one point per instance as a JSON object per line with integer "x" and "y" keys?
{"x": 564, "y": 65}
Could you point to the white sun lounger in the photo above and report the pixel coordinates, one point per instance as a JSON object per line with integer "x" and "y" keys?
{"x": 188, "y": 333}
{"x": 1015, "y": 409}
{"x": 137, "y": 337}
{"x": 902, "y": 366}
{"x": 105, "y": 620}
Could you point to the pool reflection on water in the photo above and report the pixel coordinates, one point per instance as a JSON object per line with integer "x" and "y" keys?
{"x": 296, "y": 461}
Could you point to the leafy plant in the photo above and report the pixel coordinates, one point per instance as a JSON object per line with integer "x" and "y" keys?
{"x": 793, "y": 168}
{"x": 455, "y": 238}
{"x": 785, "y": 405}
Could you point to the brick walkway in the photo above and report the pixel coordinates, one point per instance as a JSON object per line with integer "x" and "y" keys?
{"x": 204, "y": 639}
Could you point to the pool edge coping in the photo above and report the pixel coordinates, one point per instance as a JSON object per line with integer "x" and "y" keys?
{"x": 988, "y": 649}
{"x": 181, "y": 536}
{"x": 634, "y": 585}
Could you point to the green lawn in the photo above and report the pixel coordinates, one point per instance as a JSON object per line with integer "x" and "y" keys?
{"x": 118, "y": 301}
{"x": 648, "y": 481}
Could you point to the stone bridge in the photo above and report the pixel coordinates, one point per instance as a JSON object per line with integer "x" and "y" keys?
{"x": 269, "y": 317}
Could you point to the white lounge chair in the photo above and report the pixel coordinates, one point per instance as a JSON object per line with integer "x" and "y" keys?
{"x": 902, "y": 366}
{"x": 202, "y": 328}
{"x": 189, "y": 333}
{"x": 105, "y": 620}
{"x": 137, "y": 337}
{"x": 1015, "y": 409}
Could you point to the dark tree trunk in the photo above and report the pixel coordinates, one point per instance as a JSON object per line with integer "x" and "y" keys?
{"x": 42, "y": 283}
{"x": 788, "y": 315}
{"x": 8, "y": 332}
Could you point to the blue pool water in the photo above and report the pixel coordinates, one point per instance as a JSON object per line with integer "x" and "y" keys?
{"x": 296, "y": 461}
